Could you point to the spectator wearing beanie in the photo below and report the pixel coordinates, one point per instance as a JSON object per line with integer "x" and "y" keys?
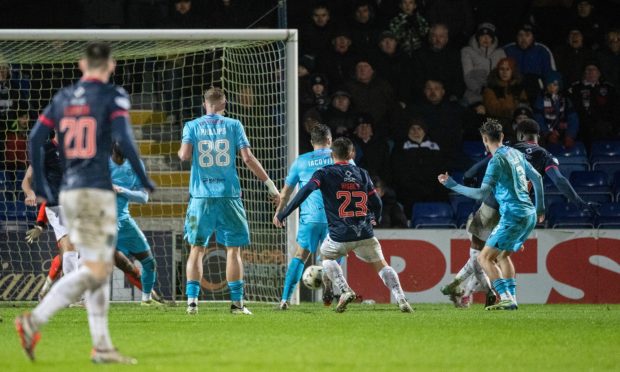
{"x": 533, "y": 59}
{"x": 504, "y": 91}
{"x": 572, "y": 55}
{"x": 555, "y": 114}
{"x": 597, "y": 104}
{"x": 409, "y": 26}
{"x": 371, "y": 153}
{"x": 340, "y": 117}
{"x": 338, "y": 62}
{"x": 522, "y": 113}
{"x": 478, "y": 59}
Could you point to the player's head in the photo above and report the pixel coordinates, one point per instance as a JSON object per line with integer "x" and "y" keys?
{"x": 527, "y": 130}
{"x": 492, "y": 132}
{"x": 97, "y": 60}
{"x": 215, "y": 100}
{"x": 321, "y": 136}
{"x": 342, "y": 149}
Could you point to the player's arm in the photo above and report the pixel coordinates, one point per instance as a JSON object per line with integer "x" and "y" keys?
{"x": 475, "y": 169}
{"x": 31, "y": 197}
{"x": 291, "y": 180}
{"x": 471, "y": 192}
{"x": 299, "y": 198}
{"x": 537, "y": 183}
{"x": 375, "y": 205}
{"x": 257, "y": 168}
{"x": 36, "y": 140}
{"x": 285, "y": 195}
{"x": 185, "y": 152}
{"x": 33, "y": 234}
{"x": 134, "y": 196}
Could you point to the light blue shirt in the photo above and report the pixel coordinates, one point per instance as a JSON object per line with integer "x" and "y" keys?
{"x": 216, "y": 140}
{"x": 124, "y": 176}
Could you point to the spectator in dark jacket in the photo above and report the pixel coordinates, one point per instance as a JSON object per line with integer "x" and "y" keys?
{"x": 364, "y": 29}
{"x": 340, "y": 117}
{"x": 609, "y": 57}
{"x": 315, "y": 37}
{"x": 392, "y": 213}
{"x": 409, "y": 26}
{"x": 415, "y": 163}
{"x": 596, "y": 103}
{"x": 318, "y": 95}
{"x": 338, "y": 62}
{"x": 555, "y": 114}
{"x": 534, "y": 60}
{"x": 439, "y": 61}
{"x": 371, "y": 153}
{"x": 457, "y": 15}
{"x": 184, "y": 15}
{"x": 587, "y": 20}
{"x": 395, "y": 67}
{"x": 571, "y": 56}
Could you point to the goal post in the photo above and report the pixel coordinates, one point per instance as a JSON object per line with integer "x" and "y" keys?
{"x": 165, "y": 73}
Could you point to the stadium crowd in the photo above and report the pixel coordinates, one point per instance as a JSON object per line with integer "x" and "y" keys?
{"x": 409, "y": 81}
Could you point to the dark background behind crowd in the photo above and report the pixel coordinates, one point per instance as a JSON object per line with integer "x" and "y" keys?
{"x": 409, "y": 81}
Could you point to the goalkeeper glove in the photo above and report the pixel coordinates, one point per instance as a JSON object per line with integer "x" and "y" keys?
{"x": 33, "y": 234}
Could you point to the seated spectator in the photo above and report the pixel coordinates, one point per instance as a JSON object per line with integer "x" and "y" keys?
{"x": 555, "y": 114}
{"x": 457, "y": 15}
{"x": 16, "y": 153}
{"x": 315, "y": 37}
{"x": 415, "y": 163}
{"x": 372, "y": 95}
{"x": 609, "y": 57}
{"x": 443, "y": 121}
{"x": 310, "y": 119}
{"x": 317, "y": 97}
{"x": 340, "y": 117}
{"x": 371, "y": 153}
{"x": 475, "y": 116}
{"x": 534, "y": 60}
{"x": 596, "y": 103}
{"x": 338, "y": 62}
{"x": 571, "y": 56}
{"x": 183, "y": 15}
{"x": 477, "y": 59}
{"x": 587, "y": 20}
{"x": 409, "y": 27}
{"x": 439, "y": 61}
{"x": 394, "y": 66}
{"x": 392, "y": 214}
{"x": 522, "y": 113}
{"x": 504, "y": 91}
{"x": 363, "y": 26}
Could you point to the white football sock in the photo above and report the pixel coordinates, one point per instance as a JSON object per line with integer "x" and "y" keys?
{"x": 66, "y": 291}
{"x": 391, "y": 281}
{"x": 146, "y": 296}
{"x": 468, "y": 268}
{"x": 335, "y": 274}
{"x": 482, "y": 277}
{"x": 97, "y": 304}
{"x": 69, "y": 262}
{"x": 193, "y": 300}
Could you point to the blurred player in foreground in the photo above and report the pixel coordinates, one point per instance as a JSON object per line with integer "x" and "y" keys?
{"x": 212, "y": 142}
{"x": 506, "y": 175}
{"x": 87, "y": 117}
{"x": 351, "y": 205}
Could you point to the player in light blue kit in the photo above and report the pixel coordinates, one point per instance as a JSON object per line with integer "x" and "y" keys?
{"x": 131, "y": 240}
{"x": 212, "y": 143}
{"x": 506, "y": 174}
{"x": 312, "y": 220}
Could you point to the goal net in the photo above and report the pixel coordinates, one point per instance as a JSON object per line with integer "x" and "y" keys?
{"x": 165, "y": 74}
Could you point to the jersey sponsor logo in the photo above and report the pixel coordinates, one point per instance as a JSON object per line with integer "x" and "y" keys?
{"x": 77, "y": 110}
{"x": 79, "y": 92}
{"x": 122, "y": 102}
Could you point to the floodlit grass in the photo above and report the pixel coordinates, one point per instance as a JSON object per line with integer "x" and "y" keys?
{"x": 311, "y": 337}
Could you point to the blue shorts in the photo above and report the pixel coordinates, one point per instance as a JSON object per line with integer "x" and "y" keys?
{"x": 130, "y": 239}
{"x": 311, "y": 235}
{"x": 511, "y": 232}
{"x": 225, "y": 216}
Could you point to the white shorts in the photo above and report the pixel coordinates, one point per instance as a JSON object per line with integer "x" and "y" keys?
{"x": 56, "y": 220}
{"x": 90, "y": 219}
{"x": 367, "y": 250}
{"x": 482, "y": 222}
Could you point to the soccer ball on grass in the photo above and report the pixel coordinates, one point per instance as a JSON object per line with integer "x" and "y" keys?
{"x": 313, "y": 277}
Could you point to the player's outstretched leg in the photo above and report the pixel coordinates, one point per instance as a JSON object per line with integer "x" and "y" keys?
{"x": 234, "y": 276}
{"x": 148, "y": 278}
{"x": 391, "y": 281}
{"x": 52, "y": 275}
{"x": 293, "y": 276}
{"x": 335, "y": 274}
{"x": 194, "y": 273}
{"x": 488, "y": 258}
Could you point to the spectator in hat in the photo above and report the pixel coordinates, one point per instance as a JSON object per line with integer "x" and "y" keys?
{"x": 340, "y": 117}
{"x": 439, "y": 61}
{"x": 414, "y": 162}
{"x": 478, "y": 59}
{"x": 373, "y": 95}
{"x": 363, "y": 26}
{"x": 521, "y": 113}
{"x": 371, "y": 153}
{"x": 315, "y": 36}
{"x": 554, "y": 112}
{"x": 572, "y": 55}
{"x": 609, "y": 57}
{"x": 309, "y": 120}
{"x": 533, "y": 59}
{"x": 409, "y": 26}
{"x": 597, "y": 104}
{"x": 394, "y": 66}
{"x": 504, "y": 91}
{"x": 457, "y": 15}
{"x": 587, "y": 20}
{"x": 338, "y": 62}
{"x": 392, "y": 214}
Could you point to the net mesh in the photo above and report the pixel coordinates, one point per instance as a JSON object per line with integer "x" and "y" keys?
{"x": 165, "y": 79}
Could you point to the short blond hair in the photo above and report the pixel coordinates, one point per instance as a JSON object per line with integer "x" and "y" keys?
{"x": 214, "y": 96}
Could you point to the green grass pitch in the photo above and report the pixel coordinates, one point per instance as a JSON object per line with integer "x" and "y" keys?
{"x": 311, "y": 337}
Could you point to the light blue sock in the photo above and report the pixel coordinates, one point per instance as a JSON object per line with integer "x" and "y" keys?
{"x": 500, "y": 287}
{"x": 293, "y": 275}
{"x": 511, "y": 285}
{"x": 236, "y": 290}
{"x": 148, "y": 274}
{"x": 192, "y": 289}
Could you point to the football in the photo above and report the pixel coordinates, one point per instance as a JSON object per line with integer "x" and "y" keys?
{"x": 313, "y": 277}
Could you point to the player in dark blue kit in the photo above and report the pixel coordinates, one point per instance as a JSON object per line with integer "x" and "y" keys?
{"x": 87, "y": 116}
{"x": 351, "y": 205}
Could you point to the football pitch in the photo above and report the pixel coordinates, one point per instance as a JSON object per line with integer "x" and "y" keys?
{"x": 311, "y": 337}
